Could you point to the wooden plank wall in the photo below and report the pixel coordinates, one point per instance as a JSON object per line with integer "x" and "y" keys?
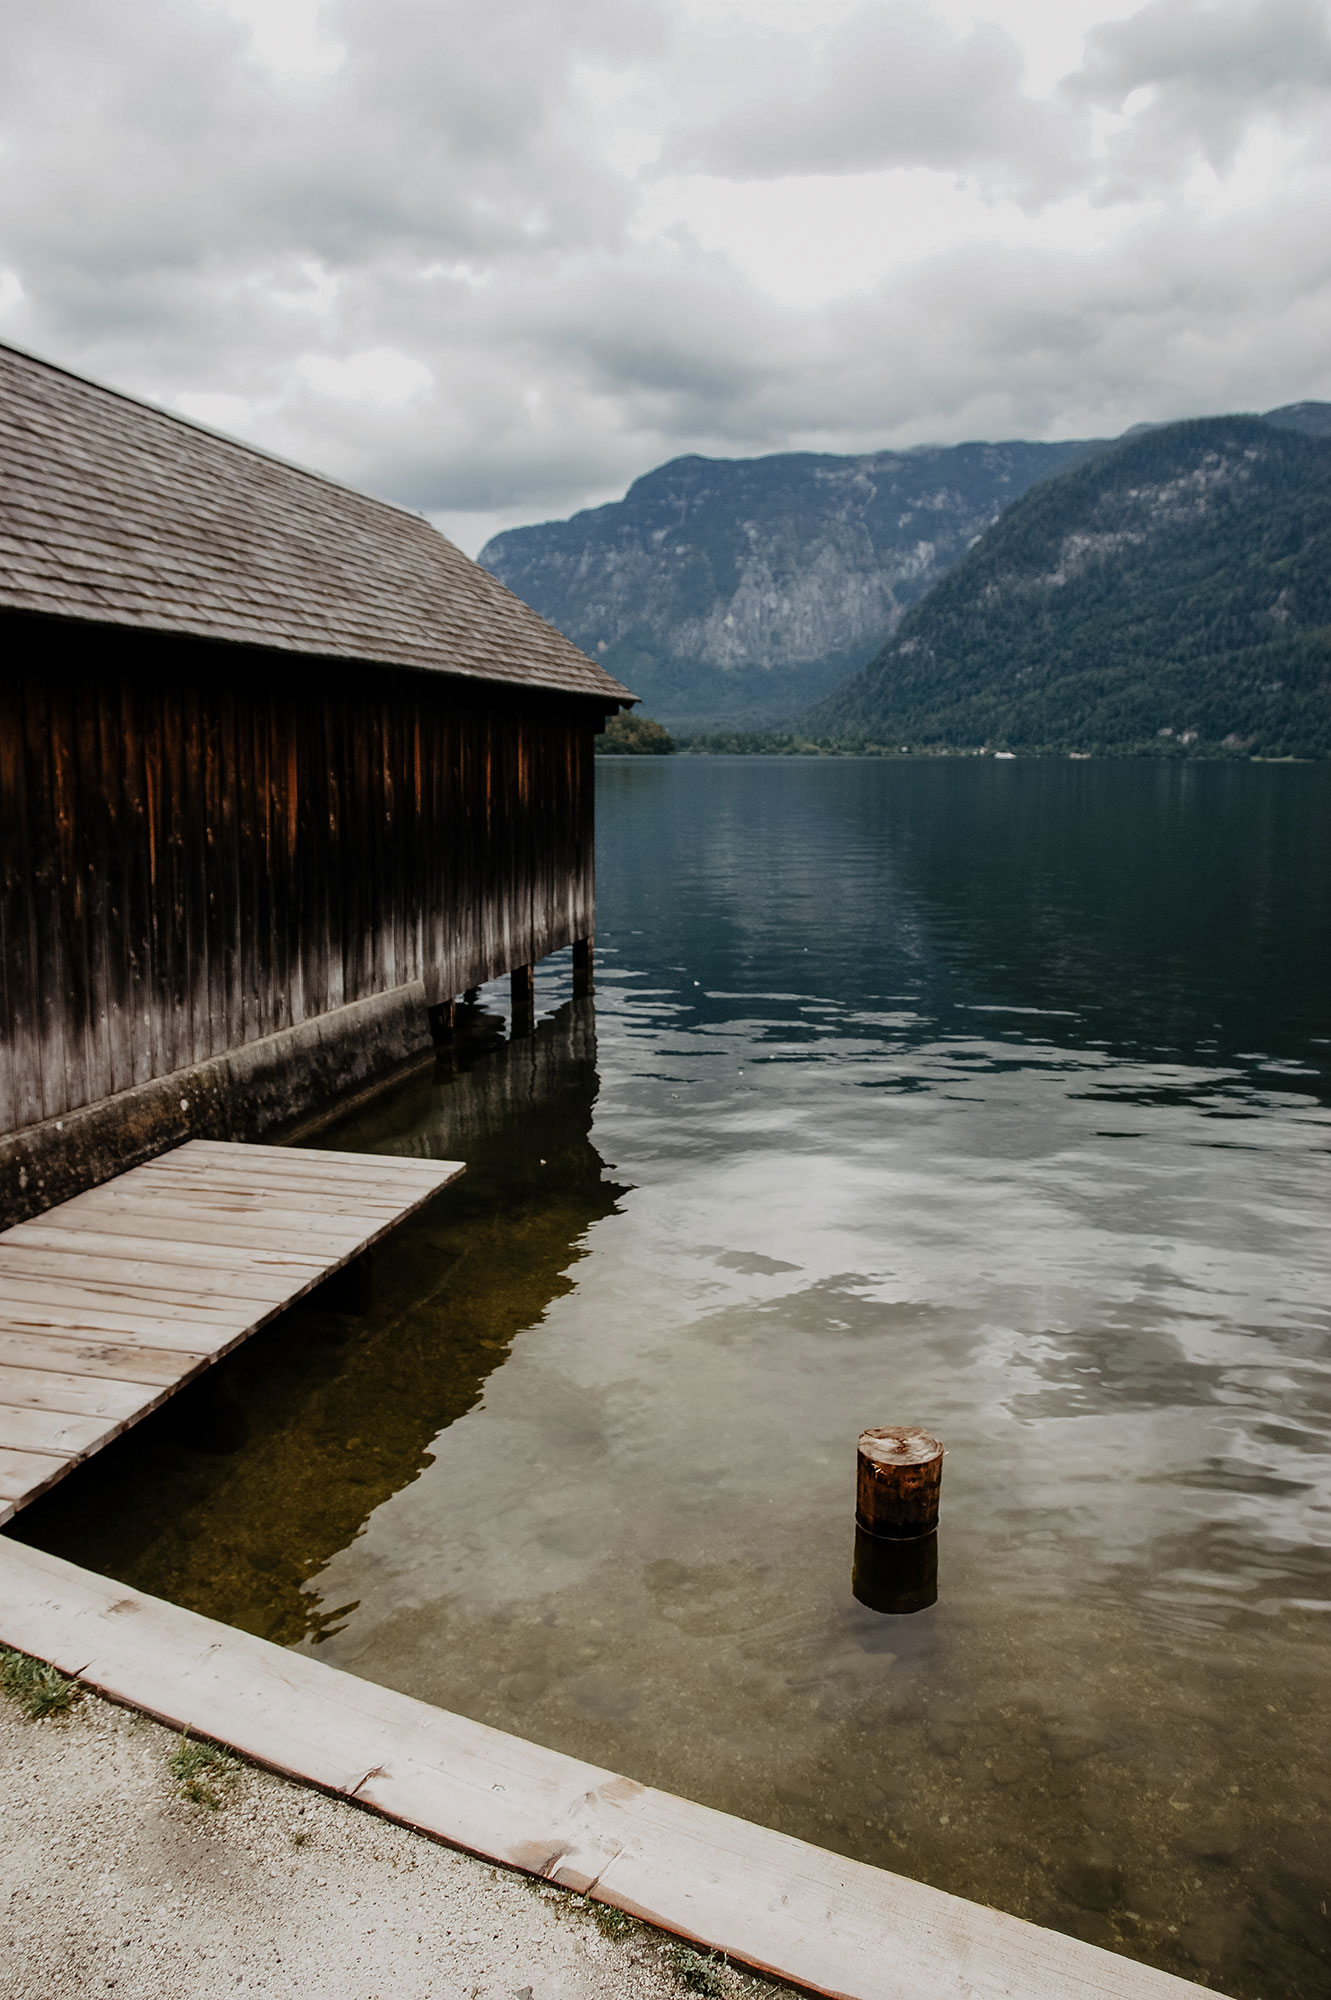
{"x": 200, "y": 846}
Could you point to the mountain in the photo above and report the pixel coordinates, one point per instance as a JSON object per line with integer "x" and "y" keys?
{"x": 1174, "y": 590}
{"x": 731, "y": 592}
{"x": 1313, "y": 419}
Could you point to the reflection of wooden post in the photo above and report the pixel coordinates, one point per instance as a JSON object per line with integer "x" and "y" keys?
{"x": 900, "y": 1472}
{"x": 897, "y": 1577}
{"x": 522, "y": 983}
{"x": 350, "y": 1289}
{"x": 215, "y": 1419}
{"x": 583, "y": 980}
{"x": 443, "y": 1023}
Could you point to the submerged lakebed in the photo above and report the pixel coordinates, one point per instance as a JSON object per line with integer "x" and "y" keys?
{"x": 992, "y": 1098}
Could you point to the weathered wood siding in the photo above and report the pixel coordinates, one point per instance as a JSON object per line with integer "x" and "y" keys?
{"x": 202, "y": 845}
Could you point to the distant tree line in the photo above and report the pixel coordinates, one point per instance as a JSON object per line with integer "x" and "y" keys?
{"x": 631, "y": 735}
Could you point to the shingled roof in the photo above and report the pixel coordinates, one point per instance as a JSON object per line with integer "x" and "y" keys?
{"x": 116, "y": 512}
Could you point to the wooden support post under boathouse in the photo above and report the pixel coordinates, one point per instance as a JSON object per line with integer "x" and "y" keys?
{"x": 522, "y": 991}
{"x": 282, "y": 772}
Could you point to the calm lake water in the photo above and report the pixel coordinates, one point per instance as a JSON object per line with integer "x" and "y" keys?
{"x": 992, "y": 1098}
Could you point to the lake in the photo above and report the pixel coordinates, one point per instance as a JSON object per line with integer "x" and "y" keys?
{"x": 988, "y": 1097}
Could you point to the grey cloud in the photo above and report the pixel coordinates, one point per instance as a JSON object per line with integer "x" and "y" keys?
{"x": 184, "y": 223}
{"x": 187, "y": 225}
{"x": 1244, "y": 50}
{"x": 894, "y": 88}
{"x": 693, "y": 347}
{"x": 890, "y": 87}
{"x": 1210, "y": 70}
{"x": 558, "y": 384}
{"x": 1177, "y": 320}
{"x": 160, "y": 152}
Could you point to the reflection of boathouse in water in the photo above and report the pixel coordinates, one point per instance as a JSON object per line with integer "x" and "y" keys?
{"x": 280, "y": 772}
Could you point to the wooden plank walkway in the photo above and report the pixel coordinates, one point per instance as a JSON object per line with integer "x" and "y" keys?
{"x": 111, "y": 1301}
{"x": 835, "y": 1926}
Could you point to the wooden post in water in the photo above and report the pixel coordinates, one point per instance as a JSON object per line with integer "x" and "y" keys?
{"x": 522, "y": 984}
{"x": 899, "y": 1475}
{"x": 583, "y": 979}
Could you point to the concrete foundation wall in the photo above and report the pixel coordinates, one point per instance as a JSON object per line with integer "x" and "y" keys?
{"x": 244, "y": 1094}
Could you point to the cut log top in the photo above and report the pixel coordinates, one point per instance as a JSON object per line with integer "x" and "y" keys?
{"x": 901, "y": 1444}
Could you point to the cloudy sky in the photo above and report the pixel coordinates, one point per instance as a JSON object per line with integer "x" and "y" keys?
{"x": 494, "y": 258}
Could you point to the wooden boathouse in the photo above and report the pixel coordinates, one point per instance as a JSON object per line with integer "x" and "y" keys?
{"x": 281, "y": 773}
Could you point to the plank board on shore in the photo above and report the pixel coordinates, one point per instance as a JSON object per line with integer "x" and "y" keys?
{"x": 114, "y": 1299}
{"x": 835, "y": 1926}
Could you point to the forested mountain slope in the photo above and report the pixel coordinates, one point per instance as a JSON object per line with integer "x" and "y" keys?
{"x": 1173, "y": 591}
{"x": 1313, "y": 419}
{"x": 735, "y": 591}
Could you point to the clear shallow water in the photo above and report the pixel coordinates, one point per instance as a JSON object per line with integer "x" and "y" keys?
{"x": 992, "y": 1098}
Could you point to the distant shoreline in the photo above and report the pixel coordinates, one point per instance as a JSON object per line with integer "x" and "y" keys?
{"x": 726, "y": 747}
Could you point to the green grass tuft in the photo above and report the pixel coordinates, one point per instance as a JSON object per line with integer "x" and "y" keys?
{"x": 204, "y": 1772}
{"x": 38, "y": 1689}
{"x": 612, "y": 1923}
{"x": 698, "y": 1972}
{"x": 549, "y": 1892}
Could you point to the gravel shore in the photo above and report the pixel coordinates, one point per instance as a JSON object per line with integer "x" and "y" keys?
{"x": 113, "y": 1883}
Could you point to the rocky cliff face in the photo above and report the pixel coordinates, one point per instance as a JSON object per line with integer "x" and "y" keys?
{"x": 732, "y": 592}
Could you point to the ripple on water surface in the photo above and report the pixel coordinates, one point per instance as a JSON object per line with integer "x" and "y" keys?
{"x": 987, "y": 1098}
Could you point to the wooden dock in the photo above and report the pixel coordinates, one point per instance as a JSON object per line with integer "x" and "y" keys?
{"x": 109, "y": 1302}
